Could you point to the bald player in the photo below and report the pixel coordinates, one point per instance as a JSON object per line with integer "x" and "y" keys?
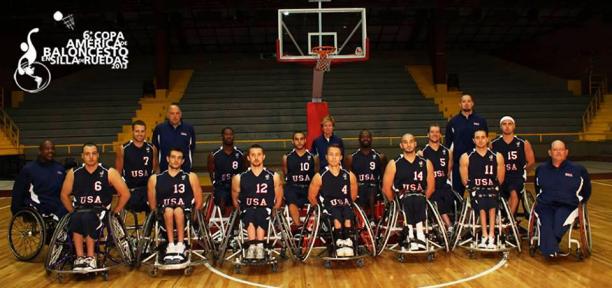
{"x": 411, "y": 177}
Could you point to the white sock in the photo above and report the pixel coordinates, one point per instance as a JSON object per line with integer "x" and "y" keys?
{"x": 419, "y": 230}
{"x": 410, "y": 232}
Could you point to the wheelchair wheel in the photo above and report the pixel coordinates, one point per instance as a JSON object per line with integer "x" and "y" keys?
{"x": 145, "y": 243}
{"x": 438, "y": 227}
{"x": 532, "y": 232}
{"x": 60, "y": 246}
{"x": 385, "y": 226}
{"x": 203, "y": 233}
{"x": 461, "y": 227}
{"x": 121, "y": 239}
{"x": 364, "y": 229}
{"x": 513, "y": 226}
{"x": 586, "y": 242}
{"x": 528, "y": 201}
{"x": 286, "y": 234}
{"x": 27, "y": 234}
{"x": 309, "y": 233}
{"x": 233, "y": 222}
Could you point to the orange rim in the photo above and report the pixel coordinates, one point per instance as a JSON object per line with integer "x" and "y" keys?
{"x": 323, "y": 51}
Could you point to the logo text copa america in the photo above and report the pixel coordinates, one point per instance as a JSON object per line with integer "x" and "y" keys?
{"x": 95, "y": 48}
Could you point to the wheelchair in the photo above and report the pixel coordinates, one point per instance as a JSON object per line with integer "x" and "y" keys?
{"x": 581, "y": 225}
{"x": 316, "y": 233}
{"x": 468, "y": 230}
{"x": 390, "y": 227}
{"x": 112, "y": 248}
{"x": 278, "y": 242}
{"x": 29, "y": 231}
{"x": 216, "y": 220}
{"x": 130, "y": 217}
{"x": 152, "y": 246}
{"x": 455, "y": 212}
{"x": 523, "y": 212}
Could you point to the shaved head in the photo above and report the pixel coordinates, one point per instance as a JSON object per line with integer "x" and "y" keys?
{"x": 407, "y": 136}
{"x": 557, "y": 144}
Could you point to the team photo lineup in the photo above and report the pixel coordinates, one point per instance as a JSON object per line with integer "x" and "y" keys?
{"x": 338, "y": 155}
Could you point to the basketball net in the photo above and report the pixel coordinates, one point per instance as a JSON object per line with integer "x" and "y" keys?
{"x": 323, "y": 62}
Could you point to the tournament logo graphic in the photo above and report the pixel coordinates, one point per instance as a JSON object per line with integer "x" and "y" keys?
{"x": 94, "y": 48}
{"x": 31, "y": 76}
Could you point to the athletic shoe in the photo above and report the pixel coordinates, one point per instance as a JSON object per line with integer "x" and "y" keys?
{"x": 89, "y": 264}
{"x": 251, "y": 252}
{"x": 259, "y": 252}
{"x": 483, "y": 243}
{"x": 492, "y": 244}
{"x": 79, "y": 264}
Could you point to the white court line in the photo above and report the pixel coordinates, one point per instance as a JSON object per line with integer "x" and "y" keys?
{"x": 601, "y": 183}
{"x": 4, "y": 207}
{"x": 499, "y": 264}
{"x": 234, "y": 278}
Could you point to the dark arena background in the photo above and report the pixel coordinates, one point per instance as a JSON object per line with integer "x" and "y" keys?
{"x": 76, "y": 72}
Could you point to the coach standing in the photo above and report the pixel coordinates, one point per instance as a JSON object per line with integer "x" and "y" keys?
{"x": 174, "y": 133}
{"x": 459, "y": 133}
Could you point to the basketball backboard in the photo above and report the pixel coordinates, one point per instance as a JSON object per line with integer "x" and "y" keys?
{"x": 301, "y": 30}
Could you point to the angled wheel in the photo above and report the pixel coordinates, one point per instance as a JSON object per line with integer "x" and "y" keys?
{"x": 286, "y": 235}
{"x": 309, "y": 233}
{"x": 385, "y": 226}
{"x": 229, "y": 234}
{"x": 121, "y": 239}
{"x": 146, "y": 244}
{"x": 513, "y": 226}
{"x": 60, "y": 246}
{"x": 366, "y": 235}
{"x": 586, "y": 242}
{"x": 439, "y": 229}
{"x": 203, "y": 233}
{"x": 27, "y": 234}
{"x": 532, "y": 231}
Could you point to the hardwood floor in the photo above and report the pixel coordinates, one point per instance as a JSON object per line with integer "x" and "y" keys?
{"x": 521, "y": 270}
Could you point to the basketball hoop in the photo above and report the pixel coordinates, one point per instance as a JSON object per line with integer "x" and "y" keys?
{"x": 324, "y": 62}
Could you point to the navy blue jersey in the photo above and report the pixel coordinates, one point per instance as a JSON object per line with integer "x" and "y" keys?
{"x": 227, "y": 165}
{"x": 410, "y": 177}
{"x": 514, "y": 156}
{"x": 173, "y": 190}
{"x": 367, "y": 167}
{"x": 482, "y": 171}
{"x": 439, "y": 159}
{"x": 257, "y": 190}
{"x": 336, "y": 190}
{"x": 137, "y": 164}
{"x": 92, "y": 190}
{"x": 300, "y": 169}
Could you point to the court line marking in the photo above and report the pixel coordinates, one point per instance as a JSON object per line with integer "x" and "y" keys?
{"x": 212, "y": 269}
{"x": 499, "y": 264}
{"x": 4, "y": 207}
{"x": 601, "y": 183}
